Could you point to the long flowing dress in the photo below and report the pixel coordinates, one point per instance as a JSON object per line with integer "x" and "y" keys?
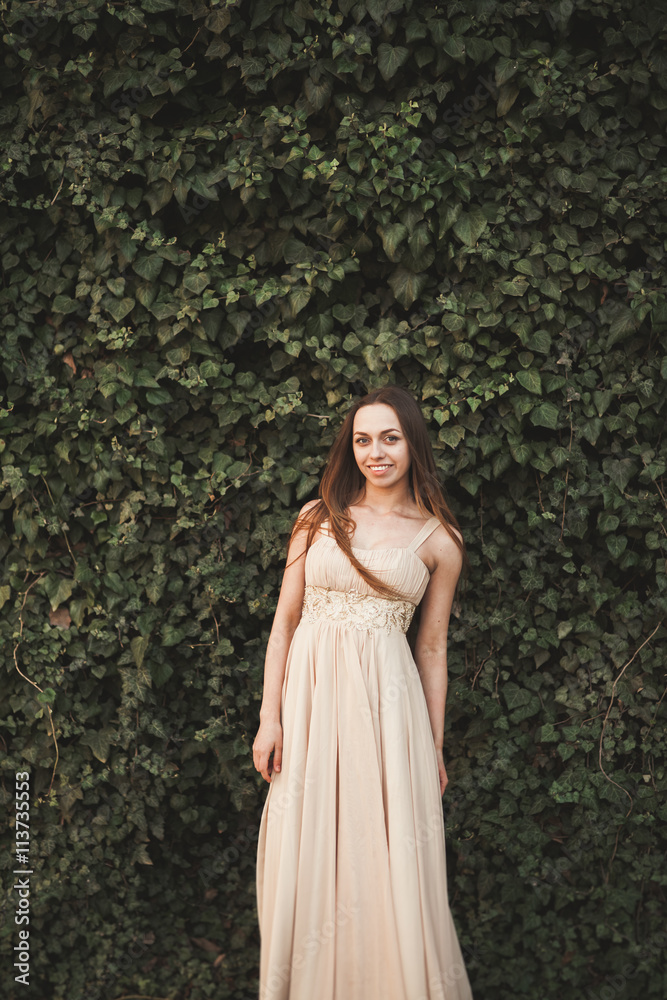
{"x": 351, "y": 872}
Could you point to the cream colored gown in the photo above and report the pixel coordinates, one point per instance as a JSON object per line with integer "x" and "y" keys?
{"x": 351, "y": 871}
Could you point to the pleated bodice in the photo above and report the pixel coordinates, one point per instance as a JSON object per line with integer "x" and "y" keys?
{"x": 335, "y": 590}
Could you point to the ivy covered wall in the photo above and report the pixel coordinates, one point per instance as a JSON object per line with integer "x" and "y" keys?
{"x": 221, "y": 222}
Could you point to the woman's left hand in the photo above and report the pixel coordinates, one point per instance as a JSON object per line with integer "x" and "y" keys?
{"x": 442, "y": 771}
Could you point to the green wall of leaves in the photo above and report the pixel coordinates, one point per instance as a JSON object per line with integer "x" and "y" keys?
{"x": 222, "y": 222}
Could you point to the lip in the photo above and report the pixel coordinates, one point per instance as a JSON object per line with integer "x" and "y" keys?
{"x": 379, "y": 472}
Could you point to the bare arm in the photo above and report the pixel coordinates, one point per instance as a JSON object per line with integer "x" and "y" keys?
{"x": 431, "y": 643}
{"x": 285, "y": 621}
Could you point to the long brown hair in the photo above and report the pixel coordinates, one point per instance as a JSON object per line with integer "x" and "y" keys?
{"x": 342, "y": 480}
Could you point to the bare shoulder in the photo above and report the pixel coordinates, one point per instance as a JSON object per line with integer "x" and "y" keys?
{"x": 303, "y": 526}
{"x": 304, "y": 510}
{"x": 444, "y": 550}
{"x": 297, "y": 546}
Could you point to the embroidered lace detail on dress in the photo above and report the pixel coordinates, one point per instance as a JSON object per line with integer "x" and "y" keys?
{"x": 353, "y": 610}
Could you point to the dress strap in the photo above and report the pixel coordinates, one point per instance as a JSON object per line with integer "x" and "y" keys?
{"x": 427, "y": 530}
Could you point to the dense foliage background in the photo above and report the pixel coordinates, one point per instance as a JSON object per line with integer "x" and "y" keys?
{"x": 222, "y": 222}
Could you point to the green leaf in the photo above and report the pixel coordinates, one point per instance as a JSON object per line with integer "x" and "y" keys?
{"x": 77, "y": 608}
{"x": 58, "y": 590}
{"x": 148, "y": 267}
{"x": 530, "y": 266}
{"x": 139, "y": 645}
{"x": 607, "y": 522}
{"x": 317, "y": 93}
{"x": 320, "y": 325}
{"x": 560, "y": 456}
{"x": 407, "y": 286}
{"x": 64, "y": 304}
{"x": 547, "y": 734}
{"x": 530, "y": 380}
{"x": 161, "y": 671}
{"x": 343, "y": 312}
{"x": 540, "y": 341}
{"x": 521, "y": 453}
{"x": 545, "y": 415}
{"x": 505, "y": 69}
{"x": 392, "y": 235}
{"x": 263, "y": 10}
{"x": 470, "y": 482}
{"x": 507, "y": 95}
{"x": 478, "y": 49}
{"x": 517, "y": 286}
{"x": 159, "y": 195}
{"x": 280, "y": 360}
{"x": 451, "y": 435}
{"x": 298, "y": 299}
{"x": 158, "y": 397}
{"x": 623, "y": 323}
{"x": 195, "y": 282}
{"x": 146, "y": 294}
{"x": 515, "y": 696}
{"x": 296, "y": 252}
{"x": 623, "y": 159}
{"x": 452, "y": 322}
{"x": 157, "y": 6}
{"x": 390, "y": 59}
{"x": 119, "y": 308}
{"x": 99, "y": 742}
{"x": 619, "y": 470}
{"x": 470, "y": 227}
{"x": 617, "y": 545}
{"x": 588, "y": 116}
{"x": 209, "y": 369}
{"x": 551, "y": 287}
{"x": 454, "y": 46}
{"x": 564, "y": 629}
{"x": 602, "y": 398}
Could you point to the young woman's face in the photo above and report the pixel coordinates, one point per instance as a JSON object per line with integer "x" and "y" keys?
{"x": 378, "y": 441}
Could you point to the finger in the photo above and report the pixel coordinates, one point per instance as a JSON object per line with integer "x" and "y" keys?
{"x": 277, "y": 758}
{"x": 262, "y": 765}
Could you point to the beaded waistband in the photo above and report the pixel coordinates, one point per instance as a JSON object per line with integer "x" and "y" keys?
{"x": 353, "y": 610}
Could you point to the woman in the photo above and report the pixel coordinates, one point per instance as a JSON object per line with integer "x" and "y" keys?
{"x": 351, "y": 873}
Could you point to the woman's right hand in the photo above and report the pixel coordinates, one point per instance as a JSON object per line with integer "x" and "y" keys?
{"x": 269, "y": 740}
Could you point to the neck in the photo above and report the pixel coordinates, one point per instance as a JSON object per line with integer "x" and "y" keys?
{"x": 384, "y": 502}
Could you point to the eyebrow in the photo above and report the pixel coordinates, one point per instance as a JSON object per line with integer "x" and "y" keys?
{"x": 381, "y": 432}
